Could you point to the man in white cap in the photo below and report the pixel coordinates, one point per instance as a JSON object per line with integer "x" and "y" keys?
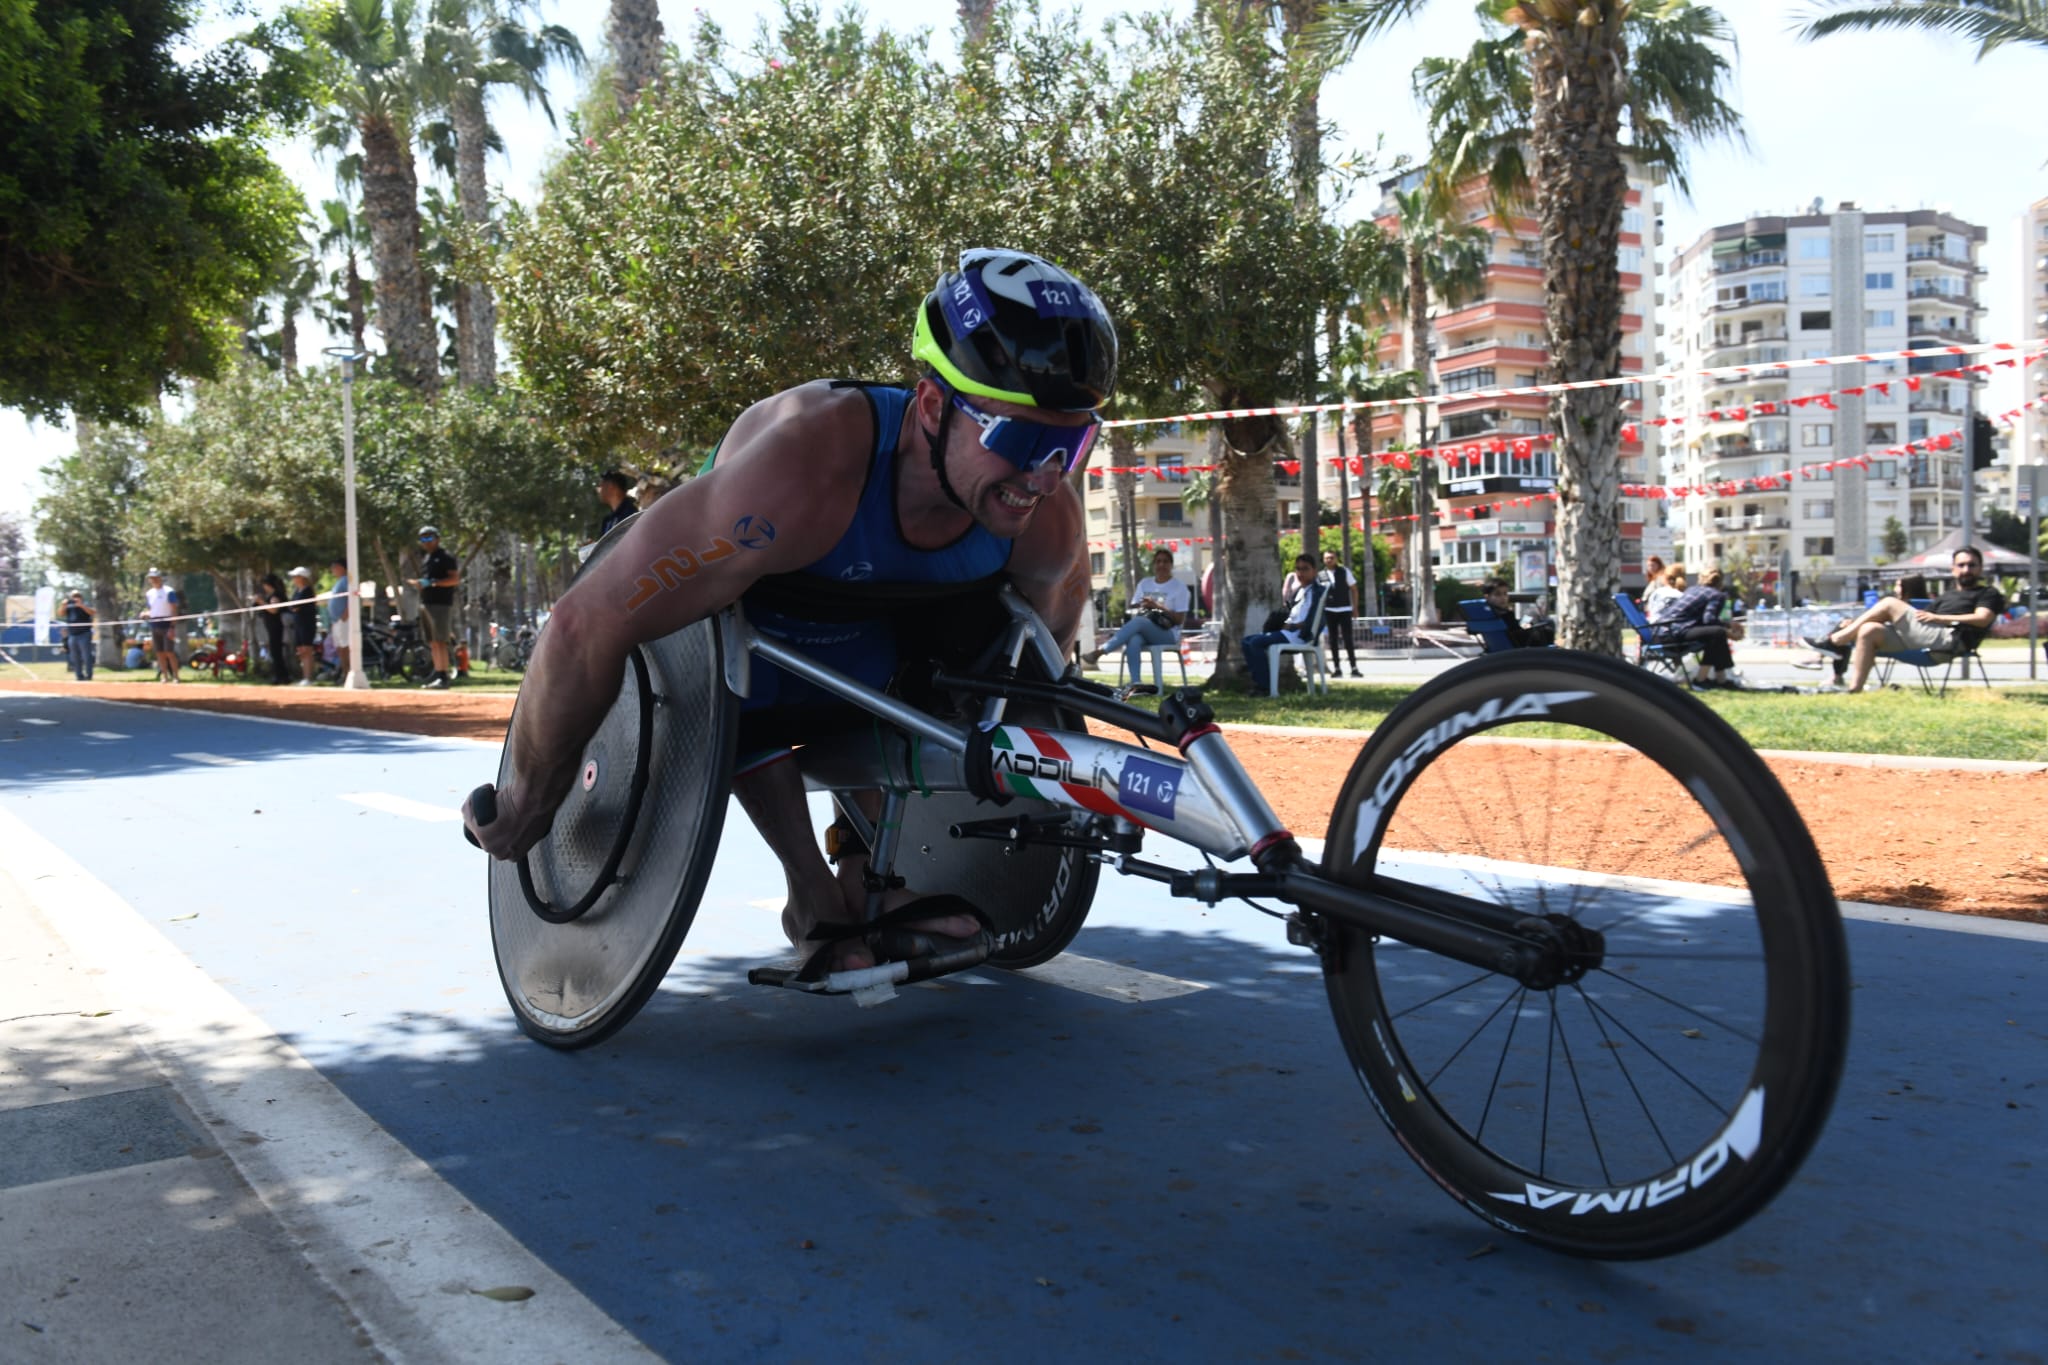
{"x": 163, "y": 631}
{"x": 302, "y": 624}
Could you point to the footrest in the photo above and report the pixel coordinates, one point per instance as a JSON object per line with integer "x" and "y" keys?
{"x": 875, "y": 985}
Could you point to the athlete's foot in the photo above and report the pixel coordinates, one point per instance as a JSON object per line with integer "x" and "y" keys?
{"x": 798, "y": 920}
{"x": 855, "y": 899}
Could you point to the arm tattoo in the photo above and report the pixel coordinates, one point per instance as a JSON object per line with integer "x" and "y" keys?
{"x": 680, "y": 564}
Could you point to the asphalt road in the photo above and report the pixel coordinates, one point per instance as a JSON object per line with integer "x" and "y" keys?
{"x": 1161, "y": 1157}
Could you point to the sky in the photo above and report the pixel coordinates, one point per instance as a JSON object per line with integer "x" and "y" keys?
{"x": 1886, "y": 120}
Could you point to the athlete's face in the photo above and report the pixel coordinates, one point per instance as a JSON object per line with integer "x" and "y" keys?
{"x": 998, "y": 494}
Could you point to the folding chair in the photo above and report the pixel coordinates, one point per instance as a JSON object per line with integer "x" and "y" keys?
{"x": 1483, "y": 621}
{"x": 1312, "y": 669}
{"x": 1925, "y": 661}
{"x": 1660, "y": 656}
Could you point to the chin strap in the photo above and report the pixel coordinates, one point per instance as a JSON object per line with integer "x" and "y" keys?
{"x": 937, "y": 443}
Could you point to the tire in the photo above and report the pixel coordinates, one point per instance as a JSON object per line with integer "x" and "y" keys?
{"x": 1664, "y": 1097}
{"x": 416, "y": 661}
{"x": 574, "y": 976}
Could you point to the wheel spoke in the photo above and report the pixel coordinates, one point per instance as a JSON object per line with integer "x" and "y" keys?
{"x": 1473, "y": 1037}
{"x": 1628, "y": 1077}
{"x": 1634, "y": 984}
{"x": 1506, "y": 1043}
{"x": 1659, "y": 1057}
{"x": 1585, "y": 1109}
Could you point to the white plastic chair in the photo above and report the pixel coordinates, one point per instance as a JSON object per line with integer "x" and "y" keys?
{"x": 1158, "y": 653}
{"x": 1312, "y": 669}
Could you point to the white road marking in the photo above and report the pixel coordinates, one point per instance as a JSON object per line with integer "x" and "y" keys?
{"x": 403, "y": 805}
{"x": 1110, "y": 980}
{"x": 392, "y": 1239}
{"x": 106, "y": 734}
{"x": 36, "y": 720}
{"x": 216, "y": 760}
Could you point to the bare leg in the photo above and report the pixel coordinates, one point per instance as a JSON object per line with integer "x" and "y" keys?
{"x": 853, "y": 884}
{"x": 773, "y": 798}
{"x": 1864, "y": 656}
{"x": 1887, "y": 609}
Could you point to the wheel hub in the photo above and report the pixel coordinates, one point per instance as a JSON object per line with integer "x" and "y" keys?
{"x": 1570, "y": 950}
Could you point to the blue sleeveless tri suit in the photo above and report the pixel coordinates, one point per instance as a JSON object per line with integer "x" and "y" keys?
{"x": 872, "y": 551}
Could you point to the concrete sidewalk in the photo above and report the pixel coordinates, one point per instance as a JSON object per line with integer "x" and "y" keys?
{"x": 125, "y": 1233}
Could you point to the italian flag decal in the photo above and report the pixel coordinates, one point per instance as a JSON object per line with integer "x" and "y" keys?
{"x": 1054, "y": 771}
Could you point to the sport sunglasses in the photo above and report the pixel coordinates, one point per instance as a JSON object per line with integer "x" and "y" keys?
{"x": 1028, "y": 444}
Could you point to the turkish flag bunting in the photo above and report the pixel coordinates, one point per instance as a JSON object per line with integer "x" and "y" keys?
{"x": 1913, "y": 382}
{"x": 1884, "y": 388}
{"x": 1740, "y": 414}
{"x": 1628, "y": 431}
{"x": 1524, "y": 449}
{"x": 1856, "y": 392}
{"x": 1767, "y": 409}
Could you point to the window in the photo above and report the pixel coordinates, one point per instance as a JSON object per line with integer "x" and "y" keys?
{"x": 1916, "y": 428}
{"x": 1096, "y": 563}
{"x": 1886, "y": 469}
{"x": 1816, "y": 434}
{"x": 1464, "y": 381}
{"x": 1881, "y": 434}
{"x": 1877, "y": 279}
{"x": 1630, "y": 259}
{"x": 1094, "y": 480}
{"x": 1170, "y": 513}
{"x": 1820, "y": 546}
{"x": 1816, "y": 322}
{"x": 1814, "y": 286}
{"x": 1813, "y": 248}
{"x": 1880, "y": 317}
{"x": 1100, "y": 514}
{"x": 1817, "y": 510}
{"x": 1632, "y": 220}
{"x": 1880, "y": 243}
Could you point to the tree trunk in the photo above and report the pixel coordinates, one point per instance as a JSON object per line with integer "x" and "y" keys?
{"x": 476, "y": 330}
{"x": 391, "y": 208}
{"x": 634, "y": 31}
{"x": 288, "y": 340}
{"x": 1123, "y": 453}
{"x": 1248, "y": 574}
{"x": 1216, "y": 451}
{"x": 358, "y": 295}
{"x": 1576, "y": 73}
{"x": 1422, "y": 583}
{"x": 975, "y": 18}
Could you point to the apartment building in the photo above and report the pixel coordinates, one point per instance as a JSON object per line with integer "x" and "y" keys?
{"x": 1496, "y": 339}
{"x": 2031, "y": 445}
{"x": 1800, "y": 287}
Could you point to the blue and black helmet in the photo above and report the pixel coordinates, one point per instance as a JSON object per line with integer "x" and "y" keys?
{"x": 1012, "y": 326}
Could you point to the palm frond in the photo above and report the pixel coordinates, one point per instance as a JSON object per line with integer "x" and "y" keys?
{"x": 1347, "y": 24}
{"x": 1991, "y": 24}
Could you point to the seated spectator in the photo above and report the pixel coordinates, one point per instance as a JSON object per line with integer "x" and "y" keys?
{"x": 1293, "y": 629}
{"x": 1156, "y": 617}
{"x": 1495, "y": 593}
{"x": 1662, "y": 592}
{"x": 1695, "y": 618}
{"x": 1959, "y": 619}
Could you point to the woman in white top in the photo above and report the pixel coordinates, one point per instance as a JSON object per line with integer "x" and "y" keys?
{"x": 1157, "y": 614}
{"x": 163, "y": 631}
{"x": 1659, "y": 596}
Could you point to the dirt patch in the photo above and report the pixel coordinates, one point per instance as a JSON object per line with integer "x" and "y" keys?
{"x": 1894, "y": 836}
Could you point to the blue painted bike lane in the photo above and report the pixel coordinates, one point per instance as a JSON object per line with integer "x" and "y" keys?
{"x": 1000, "y": 1167}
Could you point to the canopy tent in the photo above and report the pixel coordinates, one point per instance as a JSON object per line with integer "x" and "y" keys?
{"x": 1943, "y": 552}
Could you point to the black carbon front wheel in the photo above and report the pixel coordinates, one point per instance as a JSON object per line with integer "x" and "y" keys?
{"x": 1668, "y": 1087}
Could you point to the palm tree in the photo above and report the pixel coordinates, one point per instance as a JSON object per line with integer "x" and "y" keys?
{"x": 1356, "y": 377}
{"x": 370, "y": 52}
{"x": 470, "y": 46}
{"x": 1440, "y": 259}
{"x": 1989, "y": 23}
{"x": 1581, "y": 87}
{"x": 343, "y": 232}
{"x": 633, "y": 28}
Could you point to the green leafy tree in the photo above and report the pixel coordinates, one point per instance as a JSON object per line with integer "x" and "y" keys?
{"x": 138, "y": 210}
{"x": 86, "y": 522}
{"x": 1583, "y": 84}
{"x": 1896, "y": 542}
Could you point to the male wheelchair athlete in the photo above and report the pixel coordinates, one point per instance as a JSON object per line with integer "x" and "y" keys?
{"x": 1599, "y": 991}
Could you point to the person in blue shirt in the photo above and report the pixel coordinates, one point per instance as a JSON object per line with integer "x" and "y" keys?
{"x": 1695, "y": 618}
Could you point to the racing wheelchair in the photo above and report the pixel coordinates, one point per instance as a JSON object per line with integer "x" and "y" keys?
{"x": 1579, "y": 947}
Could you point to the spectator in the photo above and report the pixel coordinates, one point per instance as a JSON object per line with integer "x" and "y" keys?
{"x": 302, "y": 625}
{"x": 1156, "y": 618}
{"x": 1658, "y": 597}
{"x": 1695, "y": 618}
{"x": 338, "y": 601}
{"x": 1958, "y": 620}
{"x": 1495, "y": 593}
{"x": 162, "y": 609}
{"x": 1653, "y": 570}
{"x": 78, "y": 642}
{"x": 270, "y": 596}
{"x": 616, "y": 490}
{"x": 1336, "y": 581}
{"x": 1293, "y": 629}
{"x": 439, "y": 577}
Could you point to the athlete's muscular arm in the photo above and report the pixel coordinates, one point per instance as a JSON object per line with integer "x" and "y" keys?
{"x": 782, "y": 492}
{"x": 1050, "y": 564}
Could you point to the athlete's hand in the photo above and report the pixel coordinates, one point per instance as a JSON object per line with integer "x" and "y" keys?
{"x": 503, "y": 824}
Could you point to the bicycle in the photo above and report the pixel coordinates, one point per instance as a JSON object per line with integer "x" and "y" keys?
{"x": 511, "y": 649}
{"x": 1614, "y": 1043}
{"x": 396, "y": 651}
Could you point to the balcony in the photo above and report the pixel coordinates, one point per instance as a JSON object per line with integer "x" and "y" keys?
{"x": 1931, "y": 289}
{"x": 1935, "y": 402}
{"x": 1937, "y": 255}
{"x": 1746, "y": 349}
{"x": 1753, "y": 261}
{"x": 1919, "y": 327}
{"x": 1752, "y": 524}
{"x": 1745, "y": 304}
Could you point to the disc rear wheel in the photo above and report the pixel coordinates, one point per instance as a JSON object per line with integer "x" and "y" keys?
{"x": 1674, "y": 1075}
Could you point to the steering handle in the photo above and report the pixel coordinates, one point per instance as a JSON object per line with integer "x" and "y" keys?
{"x": 483, "y": 804}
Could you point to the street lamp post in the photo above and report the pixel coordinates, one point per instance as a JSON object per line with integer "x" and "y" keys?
{"x": 352, "y": 632}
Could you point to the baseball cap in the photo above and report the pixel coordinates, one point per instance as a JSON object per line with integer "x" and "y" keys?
{"x": 154, "y": 573}
{"x": 302, "y": 572}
